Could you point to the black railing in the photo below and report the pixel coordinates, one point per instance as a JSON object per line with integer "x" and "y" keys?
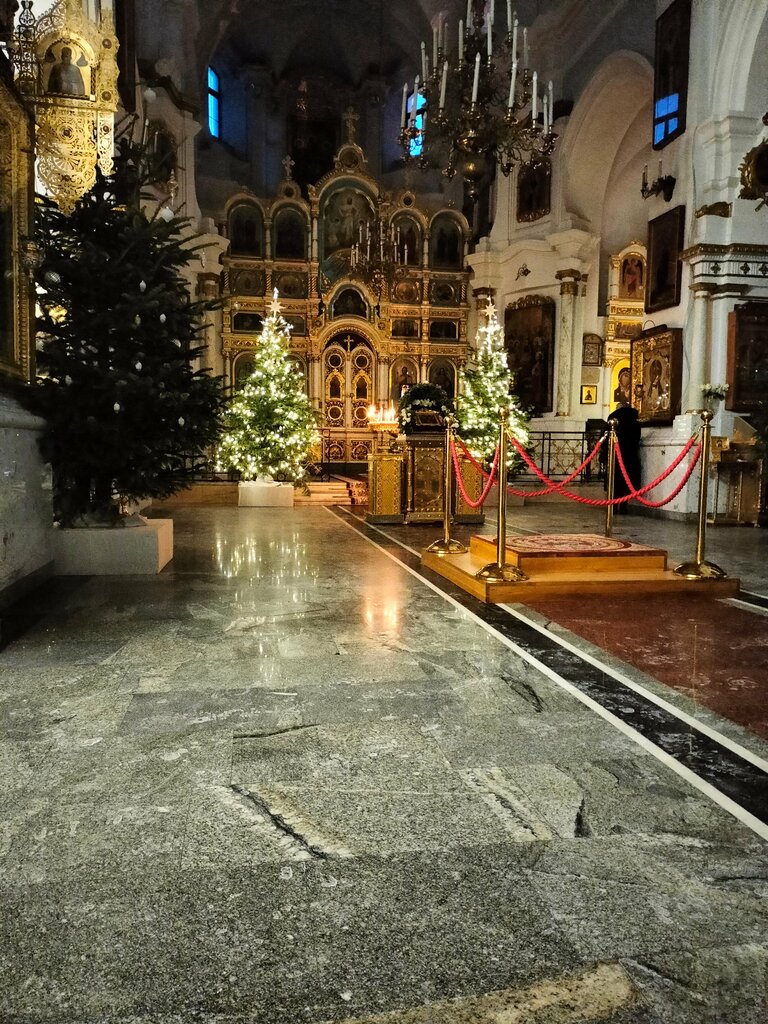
{"x": 558, "y": 452}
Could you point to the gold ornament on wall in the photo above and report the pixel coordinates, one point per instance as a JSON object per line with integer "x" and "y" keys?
{"x": 66, "y": 67}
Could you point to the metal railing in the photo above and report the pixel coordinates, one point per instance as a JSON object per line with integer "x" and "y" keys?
{"x": 558, "y": 452}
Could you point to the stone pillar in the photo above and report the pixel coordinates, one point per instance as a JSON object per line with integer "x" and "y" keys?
{"x": 569, "y": 291}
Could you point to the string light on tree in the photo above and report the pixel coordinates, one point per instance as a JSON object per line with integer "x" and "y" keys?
{"x": 486, "y": 386}
{"x": 270, "y": 427}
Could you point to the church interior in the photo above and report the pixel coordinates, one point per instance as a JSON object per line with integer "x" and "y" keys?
{"x": 272, "y": 749}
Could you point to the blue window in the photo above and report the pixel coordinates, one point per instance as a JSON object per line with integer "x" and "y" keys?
{"x": 214, "y": 104}
{"x": 416, "y": 147}
{"x": 665, "y": 117}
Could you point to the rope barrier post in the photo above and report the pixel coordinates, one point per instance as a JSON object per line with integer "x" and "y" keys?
{"x": 610, "y": 482}
{"x": 447, "y": 545}
{"x": 699, "y": 568}
{"x": 501, "y": 571}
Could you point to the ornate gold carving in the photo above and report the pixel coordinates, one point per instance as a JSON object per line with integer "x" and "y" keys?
{"x": 67, "y": 65}
{"x": 754, "y": 174}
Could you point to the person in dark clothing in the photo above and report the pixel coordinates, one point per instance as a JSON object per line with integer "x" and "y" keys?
{"x": 625, "y": 418}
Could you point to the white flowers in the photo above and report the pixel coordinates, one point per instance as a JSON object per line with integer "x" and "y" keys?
{"x": 714, "y": 390}
{"x": 116, "y": 407}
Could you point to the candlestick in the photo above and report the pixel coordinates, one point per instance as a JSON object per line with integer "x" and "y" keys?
{"x": 514, "y": 39}
{"x": 509, "y": 15}
{"x": 461, "y": 42}
{"x": 493, "y": 11}
{"x": 512, "y": 82}
{"x": 443, "y": 85}
{"x": 544, "y": 103}
{"x": 423, "y": 59}
{"x": 490, "y": 37}
{"x": 434, "y": 46}
{"x": 476, "y": 82}
{"x": 645, "y": 176}
{"x": 535, "y": 99}
{"x": 405, "y": 102}
{"x": 525, "y": 48}
{"x": 469, "y": 15}
{"x": 551, "y": 104}
{"x": 660, "y": 170}
{"x": 415, "y": 106}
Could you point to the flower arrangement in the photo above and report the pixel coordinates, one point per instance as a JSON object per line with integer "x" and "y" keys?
{"x": 418, "y": 397}
{"x": 714, "y": 390}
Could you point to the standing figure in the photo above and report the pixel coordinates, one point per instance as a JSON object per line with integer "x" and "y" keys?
{"x": 65, "y": 77}
{"x": 625, "y": 418}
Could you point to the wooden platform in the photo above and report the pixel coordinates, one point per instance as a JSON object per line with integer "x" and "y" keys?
{"x": 570, "y": 564}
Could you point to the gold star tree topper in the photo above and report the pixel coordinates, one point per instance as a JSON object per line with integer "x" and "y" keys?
{"x": 490, "y": 309}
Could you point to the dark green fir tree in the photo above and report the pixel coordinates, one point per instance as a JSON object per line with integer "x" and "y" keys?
{"x": 127, "y": 414}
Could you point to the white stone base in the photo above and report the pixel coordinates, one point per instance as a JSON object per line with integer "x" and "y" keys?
{"x": 120, "y": 551}
{"x": 258, "y": 493}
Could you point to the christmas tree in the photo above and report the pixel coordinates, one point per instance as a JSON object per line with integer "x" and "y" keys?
{"x": 126, "y": 415}
{"x": 485, "y": 387}
{"x": 270, "y": 427}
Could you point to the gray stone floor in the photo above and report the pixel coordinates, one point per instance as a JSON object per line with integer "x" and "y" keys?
{"x": 284, "y": 781}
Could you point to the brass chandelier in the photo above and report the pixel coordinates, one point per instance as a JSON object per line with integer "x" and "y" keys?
{"x": 479, "y": 104}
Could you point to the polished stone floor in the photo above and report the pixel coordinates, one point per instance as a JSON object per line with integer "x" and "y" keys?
{"x": 292, "y": 779}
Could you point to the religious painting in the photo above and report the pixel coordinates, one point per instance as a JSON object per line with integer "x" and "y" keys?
{"x": 402, "y": 375}
{"x": 589, "y": 394}
{"x": 621, "y": 384}
{"x": 242, "y": 368}
{"x": 665, "y": 269}
{"x": 247, "y": 282}
{"x": 442, "y": 373}
{"x": 345, "y": 217}
{"x": 290, "y": 284}
{"x": 591, "y": 350}
{"x": 656, "y": 369}
{"x": 529, "y": 335}
{"x": 627, "y": 329}
{"x": 245, "y": 231}
{"x": 534, "y": 185}
{"x": 747, "y": 357}
{"x": 407, "y": 291}
{"x": 407, "y": 238}
{"x": 298, "y": 325}
{"x": 290, "y": 231}
{"x": 443, "y": 330}
{"x": 446, "y": 244}
{"x": 632, "y": 277}
{"x": 445, "y": 293}
{"x": 247, "y": 323}
{"x": 349, "y": 302}
{"x": 66, "y": 70}
{"x": 404, "y": 327}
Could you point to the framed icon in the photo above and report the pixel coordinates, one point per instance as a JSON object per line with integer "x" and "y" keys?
{"x": 589, "y": 394}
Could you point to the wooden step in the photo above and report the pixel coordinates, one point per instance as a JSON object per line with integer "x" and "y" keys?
{"x": 538, "y": 554}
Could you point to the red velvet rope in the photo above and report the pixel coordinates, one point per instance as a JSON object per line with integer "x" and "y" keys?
{"x": 664, "y": 501}
{"x": 545, "y": 490}
{"x": 601, "y": 502}
{"x": 491, "y": 477}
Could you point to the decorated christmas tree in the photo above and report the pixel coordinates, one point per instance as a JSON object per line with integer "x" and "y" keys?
{"x": 126, "y": 414}
{"x": 486, "y": 386}
{"x": 270, "y": 427}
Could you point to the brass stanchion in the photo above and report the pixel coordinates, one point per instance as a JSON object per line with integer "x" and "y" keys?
{"x": 699, "y": 569}
{"x": 501, "y": 571}
{"x": 447, "y": 545}
{"x": 610, "y": 476}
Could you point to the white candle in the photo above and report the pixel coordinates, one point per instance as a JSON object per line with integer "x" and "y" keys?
{"x": 434, "y": 46}
{"x": 660, "y": 171}
{"x": 461, "y": 42}
{"x": 469, "y": 15}
{"x": 514, "y": 39}
{"x": 423, "y": 59}
{"x": 645, "y": 176}
{"x": 443, "y": 85}
{"x": 405, "y": 102}
{"x": 490, "y": 45}
{"x": 551, "y": 103}
{"x": 512, "y": 82}
{"x": 544, "y": 107}
{"x": 493, "y": 11}
{"x": 476, "y": 82}
{"x": 415, "y": 106}
{"x": 405, "y": 260}
{"x": 535, "y": 99}
{"x": 509, "y": 15}
{"x": 525, "y": 48}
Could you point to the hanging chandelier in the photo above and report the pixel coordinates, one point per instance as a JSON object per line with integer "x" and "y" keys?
{"x": 479, "y": 105}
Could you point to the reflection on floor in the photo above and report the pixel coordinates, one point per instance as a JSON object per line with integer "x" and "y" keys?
{"x": 288, "y": 780}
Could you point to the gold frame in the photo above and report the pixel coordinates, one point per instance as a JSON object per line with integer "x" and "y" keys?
{"x": 16, "y": 191}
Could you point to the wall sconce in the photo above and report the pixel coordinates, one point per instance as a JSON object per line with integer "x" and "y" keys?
{"x": 664, "y": 185}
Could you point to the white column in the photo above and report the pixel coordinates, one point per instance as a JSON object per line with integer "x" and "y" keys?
{"x": 569, "y": 290}
{"x": 697, "y": 346}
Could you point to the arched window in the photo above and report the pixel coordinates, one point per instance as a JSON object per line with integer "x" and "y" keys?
{"x": 290, "y": 235}
{"x": 416, "y": 145}
{"x": 214, "y": 104}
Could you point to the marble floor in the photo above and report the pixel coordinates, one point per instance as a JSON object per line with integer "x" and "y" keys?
{"x": 293, "y": 778}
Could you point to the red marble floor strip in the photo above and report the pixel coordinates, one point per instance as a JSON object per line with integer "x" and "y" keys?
{"x": 714, "y": 652}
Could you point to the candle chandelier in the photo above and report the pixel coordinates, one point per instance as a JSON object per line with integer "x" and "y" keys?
{"x": 479, "y": 103}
